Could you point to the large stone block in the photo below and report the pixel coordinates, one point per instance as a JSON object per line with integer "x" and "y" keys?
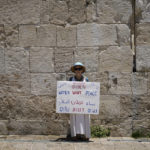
{"x": 41, "y": 59}
{"x": 12, "y": 35}
{"x": 2, "y": 61}
{"x": 126, "y": 106}
{"x": 44, "y": 11}
{"x": 7, "y": 104}
{"x": 109, "y": 106}
{"x": 91, "y": 11}
{"x": 43, "y": 35}
{"x": 143, "y": 58}
{"x": 16, "y": 60}
{"x": 46, "y": 35}
{"x": 58, "y": 11}
{"x": 101, "y": 77}
{"x": 114, "y": 11}
{"x": 139, "y": 83}
{"x": 95, "y": 35}
{"x": 20, "y": 12}
{"x": 63, "y": 59}
{"x": 3, "y": 127}
{"x": 36, "y": 127}
{"x": 77, "y": 11}
{"x": 143, "y": 34}
{"x": 27, "y": 107}
{"x": 22, "y": 127}
{"x": 142, "y": 11}
{"x": 121, "y": 128}
{"x": 3, "y": 85}
{"x": 123, "y": 34}
{"x": 15, "y": 84}
{"x": 141, "y": 107}
{"x": 2, "y": 36}
{"x": 88, "y": 56}
{"x": 148, "y": 83}
{"x": 141, "y": 125}
{"x": 120, "y": 83}
{"x": 27, "y": 35}
{"x": 114, "y": 58}
{"x": 66, "y": 37}
{"x": 45, "y": 83}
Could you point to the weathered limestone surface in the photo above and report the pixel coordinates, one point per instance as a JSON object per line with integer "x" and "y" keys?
{"x": 109, "y": 107}
{"x": 139, "y": 83}
{"x": 19, "y": 12}
{"x": 116, "y": 58}
{"x": 141, "y": 125}
{"x": 77, "y": 11}
{"x": 143, "y": 57}
{"x": 43, "y": 35}
{"x": 118, "y": 126}
{"x": 58, "y": 12}
{"x": 123, "y": 34}
{"x": 126, "y": 106}
{"x": 14, "y": 83}
{"x": 46, "y": 35}
{"x": 65, "y": 54}
{"x": 12, "y": 35}
{"x": 41, "y": 59}
{"x": 36, "y": 127}
{"x": 101, "y": 77}
{"x": 41, "y": 39}
{"x": 143, "y": 34}
{"x": 141, "y": 107}
{"x": 44, "y": 11}
{"x": 142, "y": 11}
{"x": 29, "y": 107}
{"x": 89, "y": 57}
{"x": 27, "y": 35}
{"x": 3, "y": 127}
{"x": 149, "y": 83}
{"x": 2, "y": 61}
{"x": 66, "y": 37}
{"x": 141, "y": 114}
{"x": 91, "y": 11}
{"x": 2, "y": 36}
{"x": 114, "y": 11}
{"x": 16, "y": 60}
{"x": 45, "y": 83}
{"x": 95, "y": 35}
{"x": 121, "y": 127}
{"x": 120, "y": 83}
{"x": 27, "y": 127}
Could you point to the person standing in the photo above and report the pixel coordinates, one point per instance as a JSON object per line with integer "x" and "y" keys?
{"x": 79, "y": 123}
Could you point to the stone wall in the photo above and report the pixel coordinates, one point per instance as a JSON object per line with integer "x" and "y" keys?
{"x": 41, "y": 39}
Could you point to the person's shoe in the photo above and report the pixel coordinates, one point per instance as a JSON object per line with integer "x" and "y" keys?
{"x": 87, "y": 139}
{"x": 84, "y": 138}
{"x": 74, "y": 138}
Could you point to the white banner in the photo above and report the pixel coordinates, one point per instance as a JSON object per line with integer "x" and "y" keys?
{"x": 78, "y": 97}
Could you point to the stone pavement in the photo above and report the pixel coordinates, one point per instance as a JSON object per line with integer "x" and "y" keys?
{"x": 39, "y": 142}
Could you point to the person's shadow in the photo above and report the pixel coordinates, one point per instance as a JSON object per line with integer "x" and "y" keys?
{"x": 69, "y": 139}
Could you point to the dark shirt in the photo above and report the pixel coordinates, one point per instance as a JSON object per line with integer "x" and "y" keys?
{"x": 82, "y": 78}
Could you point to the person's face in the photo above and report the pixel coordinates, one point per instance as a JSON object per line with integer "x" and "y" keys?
{"x": 78, "y": 71}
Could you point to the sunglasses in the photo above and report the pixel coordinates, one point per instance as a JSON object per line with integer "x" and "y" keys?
{"x": 77, "y": 69}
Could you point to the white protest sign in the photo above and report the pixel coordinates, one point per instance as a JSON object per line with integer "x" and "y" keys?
{"x": 78, "y": 97}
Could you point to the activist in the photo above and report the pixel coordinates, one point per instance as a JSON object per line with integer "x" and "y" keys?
{"x": 79, "y": 123}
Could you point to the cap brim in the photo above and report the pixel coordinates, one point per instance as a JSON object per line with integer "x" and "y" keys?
{"x": 73, "y": 68}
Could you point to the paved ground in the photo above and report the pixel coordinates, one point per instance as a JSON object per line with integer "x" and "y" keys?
{"x": 32, "y": 142}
